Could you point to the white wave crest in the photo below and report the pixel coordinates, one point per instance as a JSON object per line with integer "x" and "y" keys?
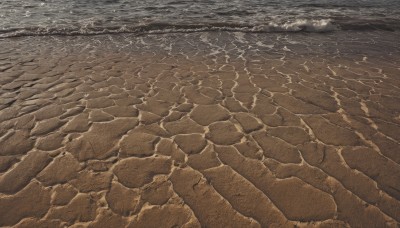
{"x": 323, "y": 25}
{"x": 88, "y": 27}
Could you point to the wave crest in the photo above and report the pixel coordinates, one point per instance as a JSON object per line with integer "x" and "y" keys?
{"x": 299, "y": 25}
{"x": 323, "y": 25}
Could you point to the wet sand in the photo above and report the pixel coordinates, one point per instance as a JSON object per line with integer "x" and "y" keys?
{"x": 200, "y": 129}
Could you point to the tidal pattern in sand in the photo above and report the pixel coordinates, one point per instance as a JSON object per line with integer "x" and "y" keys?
{"x": 210, "y": 129}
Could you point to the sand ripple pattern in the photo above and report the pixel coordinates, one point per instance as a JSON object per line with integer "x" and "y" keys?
{"x": 198, "y": 130}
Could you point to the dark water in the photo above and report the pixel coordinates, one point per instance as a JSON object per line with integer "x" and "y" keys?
{"x": 72, "y": 17}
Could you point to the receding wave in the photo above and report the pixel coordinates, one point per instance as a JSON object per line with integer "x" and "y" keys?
{"x": 300, "y": 25}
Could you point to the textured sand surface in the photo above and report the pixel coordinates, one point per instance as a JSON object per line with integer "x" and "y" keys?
{"x": 201, "y": 129}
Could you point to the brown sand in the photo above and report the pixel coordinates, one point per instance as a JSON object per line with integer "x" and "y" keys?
{"x": 203, "y": 129}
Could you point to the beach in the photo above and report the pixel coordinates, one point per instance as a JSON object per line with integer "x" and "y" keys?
{"x": 200, "y": 129}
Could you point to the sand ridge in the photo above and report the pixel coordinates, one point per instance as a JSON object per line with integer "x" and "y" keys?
{"x": 198, "y": 130}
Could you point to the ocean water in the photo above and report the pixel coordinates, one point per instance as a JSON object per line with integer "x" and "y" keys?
{"x": 72, "y": 17}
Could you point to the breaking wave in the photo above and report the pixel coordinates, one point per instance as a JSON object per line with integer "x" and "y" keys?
{"x": 299, "y": 25}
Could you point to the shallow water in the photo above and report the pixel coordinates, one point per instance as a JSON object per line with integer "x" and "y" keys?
{"x": 34, "y": 17}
